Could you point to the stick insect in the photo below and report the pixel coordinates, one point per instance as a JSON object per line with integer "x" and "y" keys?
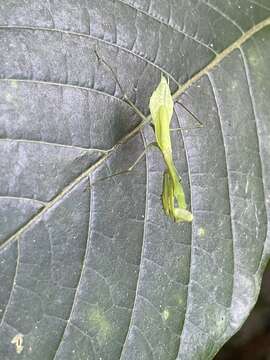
{"x": 161, "y": 108}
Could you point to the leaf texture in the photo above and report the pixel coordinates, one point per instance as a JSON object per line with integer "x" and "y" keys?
{"x": 99, "y": 272}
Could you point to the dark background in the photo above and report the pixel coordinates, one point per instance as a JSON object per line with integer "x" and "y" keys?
{"x": 252, "y": 342}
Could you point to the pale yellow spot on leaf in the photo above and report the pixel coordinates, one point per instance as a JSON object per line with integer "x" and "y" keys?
{"x": 18, "y": 342}
{"x": 201, "y": 232}
{"x": 98, "y": 320}
{"x": 165, "y": 314}
{"x": 14, "y": 84}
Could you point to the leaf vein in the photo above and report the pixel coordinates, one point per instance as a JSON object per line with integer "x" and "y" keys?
{"x": 47, "y": 143}
{"x": 142, "y": 253}
{"x": 175, "y": 28}
{"x": 89, "y": 36}
{"x": 87, "y": 247}
{"x": 228, "y": 183}
{"x": 191, "y": 241}
{"x": 73, "y": 86}
{"x": 225, "y": 16}
{"x": 258, "y": 142}
{"x": 14, "y": 283}
{"x": 42, "y": 203}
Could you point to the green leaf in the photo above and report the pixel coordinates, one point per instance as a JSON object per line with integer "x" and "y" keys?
{"x": 100, "y": 272}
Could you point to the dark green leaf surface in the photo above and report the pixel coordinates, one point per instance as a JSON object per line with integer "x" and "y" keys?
{"x": 100, "y": 273}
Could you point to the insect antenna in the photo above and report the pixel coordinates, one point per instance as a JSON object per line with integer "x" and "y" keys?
{"x": 101, "y": 60}
{"x": 125, "y": 97}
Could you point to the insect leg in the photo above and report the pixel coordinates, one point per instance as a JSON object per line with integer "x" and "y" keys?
{"x": 125, "y": 97}
{"x": 199, "y": 125}
{"x": 130, "y": 168}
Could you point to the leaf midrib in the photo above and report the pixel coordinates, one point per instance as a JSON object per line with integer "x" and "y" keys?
{"x": 214, "y": 63}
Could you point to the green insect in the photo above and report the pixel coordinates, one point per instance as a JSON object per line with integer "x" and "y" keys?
{"x": 161, "y": 109}
{"x": 173, "y": 196}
